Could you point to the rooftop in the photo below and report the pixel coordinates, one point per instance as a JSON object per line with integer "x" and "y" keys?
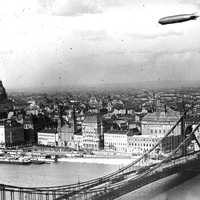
{"x": 134, "y": 131}
{"x": 48, "y": 130}
{"x": 121, "y": 132}
{"x": 168, "y": 115}
{"x": 91, "y": 119}
{"x": 78, "y": 133}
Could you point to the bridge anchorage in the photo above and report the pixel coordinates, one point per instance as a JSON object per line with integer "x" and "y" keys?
{"x": 179, "y": 153}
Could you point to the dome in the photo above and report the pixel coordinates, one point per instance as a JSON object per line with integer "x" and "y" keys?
{"x": 3, "y": 95}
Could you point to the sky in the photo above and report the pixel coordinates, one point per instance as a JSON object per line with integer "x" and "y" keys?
{"x": 48, "y": 43}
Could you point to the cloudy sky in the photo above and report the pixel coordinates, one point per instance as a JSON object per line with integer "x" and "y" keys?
{"x": 47, "y": 43}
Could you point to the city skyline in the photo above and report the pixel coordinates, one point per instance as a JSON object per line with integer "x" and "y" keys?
{"x": 51, "y": 43}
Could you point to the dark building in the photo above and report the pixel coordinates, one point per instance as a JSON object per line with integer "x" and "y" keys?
{"x": 14, "y": 133}
{"x": 30, "y": 135}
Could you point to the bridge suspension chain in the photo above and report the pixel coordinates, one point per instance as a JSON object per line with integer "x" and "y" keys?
{"x": 63, "y": 191}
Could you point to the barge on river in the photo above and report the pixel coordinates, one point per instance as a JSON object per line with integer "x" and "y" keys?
{"x": 17, "y": 161}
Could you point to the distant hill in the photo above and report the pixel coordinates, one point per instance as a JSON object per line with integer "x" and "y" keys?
{"x": 152, "y": 84}
{"x": 112, "y": 86}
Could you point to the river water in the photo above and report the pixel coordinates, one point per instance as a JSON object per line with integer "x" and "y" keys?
{"x": 60, "y": 173}
{"x": 176, "y": 187}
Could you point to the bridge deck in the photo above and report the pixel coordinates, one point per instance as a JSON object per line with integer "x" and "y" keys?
{"x": 118, "y": 183}
{"x": 129, "y": 185}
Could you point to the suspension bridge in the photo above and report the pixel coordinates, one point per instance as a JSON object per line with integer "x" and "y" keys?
{"x": 137, "y": 174}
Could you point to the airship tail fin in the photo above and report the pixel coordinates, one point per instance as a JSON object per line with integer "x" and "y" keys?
{"x": 196, "y": 14}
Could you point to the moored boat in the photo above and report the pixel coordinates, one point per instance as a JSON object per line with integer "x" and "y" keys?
{"x": 37, "y": 162}
{"x": 17, "y": 161}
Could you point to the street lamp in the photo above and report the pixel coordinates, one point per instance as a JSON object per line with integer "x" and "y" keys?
{"x": 178, "y": 18}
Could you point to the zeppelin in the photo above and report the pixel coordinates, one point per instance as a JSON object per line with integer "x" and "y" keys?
{"x": 177, "y": 18}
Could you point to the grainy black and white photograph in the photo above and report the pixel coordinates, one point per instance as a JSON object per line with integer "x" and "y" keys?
{"x": 99, "y": 100}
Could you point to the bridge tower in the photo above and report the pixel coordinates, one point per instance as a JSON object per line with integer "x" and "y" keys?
{"x": 74, "y": 118}
{"x": 183, "y": 127}
{"x": 183, "y": 134}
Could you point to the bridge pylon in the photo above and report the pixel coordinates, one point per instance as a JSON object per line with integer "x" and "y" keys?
{"x": 183, "y": 134}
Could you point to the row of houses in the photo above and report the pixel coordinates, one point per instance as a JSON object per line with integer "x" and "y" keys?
{"x": 93, "y": 136}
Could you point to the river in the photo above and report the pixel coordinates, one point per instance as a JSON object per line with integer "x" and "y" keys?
{"x": 60, "y": 173}
{"x": 175, "y": 187}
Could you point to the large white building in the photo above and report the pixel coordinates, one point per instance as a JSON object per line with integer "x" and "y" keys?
{"x": 139, "y": 144}
{"x": 116, "y": 140}
{"x": 48, "y": 137}
{"x": 92, "y": 132}
{"x": 160, "y": 122}
{"x": 2, "y": 135}
{"x": 154, "y": 126}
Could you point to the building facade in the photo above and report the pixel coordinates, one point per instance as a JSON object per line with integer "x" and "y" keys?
{"x": 139, "y": 144}
{"x": 66, "y": 134}
{"x": 2, "y": 135}
{"x": 92, "y": 132}
{"x": 116, "y": 140}
{"x": 11, "y": 133}
{"x": 160, "y": 122}
{"x": 78, "y": 141}
{"x": 30, "y": 135}
{"x": 154, "y": 126}
{"x": 48, "y": 137}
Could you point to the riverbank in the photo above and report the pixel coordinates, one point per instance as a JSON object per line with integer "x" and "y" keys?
{"x": 97, "y": 160}
{"x": 100, "y": 157}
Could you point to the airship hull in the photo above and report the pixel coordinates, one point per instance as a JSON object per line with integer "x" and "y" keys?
{"x": 177, "y": 19}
